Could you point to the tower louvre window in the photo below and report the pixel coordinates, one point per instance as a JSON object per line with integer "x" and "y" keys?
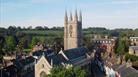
{"x": 70, "y": 30}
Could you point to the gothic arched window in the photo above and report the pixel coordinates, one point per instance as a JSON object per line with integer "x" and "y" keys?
{"x": 42, "y": 74}
{"x": 70, "y": 30}
{"x": 43, "y": 66}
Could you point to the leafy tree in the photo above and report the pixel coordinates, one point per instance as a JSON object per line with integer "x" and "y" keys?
{"x": 34, "y": 41}
{"x": 121, "y": 47}
{"x": 124, "y": 42}
{"x": 23, "y": 45}
{"x": 46, "y": 28}
{"x": 88, "y": 43}
{"x": 131, "y": 57}
{"x": 57, "y": 44}
{"x": 136, "y": 32}
{"x": 27, "y": 40}
{"x": 1, "y": 59}
{"x": 11, "y": 30}
{"x": 39, "y": 28}
{"x": 20, "y": 45}
{"x": 2, "y": 42}
{"x": 70, "y": 72}
{"x": 10, "y": 43}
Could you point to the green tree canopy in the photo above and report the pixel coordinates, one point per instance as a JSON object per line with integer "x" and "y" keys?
{"x": 70, "y": 72}
{"x": 34, "y": 41}
{"x": 121, "y": 47}
{"x": 10, "y": 43}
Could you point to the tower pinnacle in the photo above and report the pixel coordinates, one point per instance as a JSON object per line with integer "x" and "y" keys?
{"x": 70, "y": 16}
{"x": 66, "y": 17}
{"x": 80, "y": 17}
{"x": 76, "y": 16}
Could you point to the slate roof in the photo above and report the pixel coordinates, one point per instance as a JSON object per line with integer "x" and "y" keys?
{"x": 9, "y": 71}
{"x": 56, "y": 59}
{"x": 23, "y": 62}
{"x": 40, "y": 53}
{"x": 126, "y": 71}
{"x": 75, "y": 53}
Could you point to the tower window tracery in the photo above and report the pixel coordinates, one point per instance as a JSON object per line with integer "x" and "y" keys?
{"x": 70, "y": 30}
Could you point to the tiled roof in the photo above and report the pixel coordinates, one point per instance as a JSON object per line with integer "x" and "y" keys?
{"x": 126, "y": 71}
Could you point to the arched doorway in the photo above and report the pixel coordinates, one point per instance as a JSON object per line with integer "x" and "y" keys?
{"x": 42, "y": 74}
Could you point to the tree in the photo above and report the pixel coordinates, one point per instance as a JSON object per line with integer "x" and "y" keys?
{"x": 70, "y": 72}
{"x": 39, "y": 28}
{"x": 2, "y": 41}
{"x": 88, "y": 43}
{"x": 131, "y": 57}
{"x": 123, "y": 42}
{"x": 11, "y": 30}
{"x": 20, "y": 45}
{"x": 34, "y": 41}
{"x": 57, "y": 44}
{"x": 121, "y": 47}
{"x": 27, "y": 40}
{"x": 10, "y": 43}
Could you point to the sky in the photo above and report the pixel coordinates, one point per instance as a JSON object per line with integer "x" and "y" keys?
{"x": 96, "y": 13}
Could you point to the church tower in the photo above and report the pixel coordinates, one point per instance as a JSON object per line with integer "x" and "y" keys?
{"x": 72, "y": 31}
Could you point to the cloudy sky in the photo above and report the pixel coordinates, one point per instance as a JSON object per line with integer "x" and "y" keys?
{"x": 96, "y": 13}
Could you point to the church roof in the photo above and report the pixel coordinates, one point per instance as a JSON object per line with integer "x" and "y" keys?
{"x": 73, "y": 55}
{"x": 56, "y": 59}
{"x": 40, "y": 53}
{"x": 75, "y": 52}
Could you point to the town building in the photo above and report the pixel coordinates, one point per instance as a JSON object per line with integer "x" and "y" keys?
{"x": 134, "y": 41}
{"x": 133, "y": 50}
{"x": 37, "y": 47}
{"x": 107, "y": 44}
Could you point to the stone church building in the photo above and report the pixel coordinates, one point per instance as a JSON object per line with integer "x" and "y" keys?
{"x": 73, "y": 55}
{"x": 76, "y": 57}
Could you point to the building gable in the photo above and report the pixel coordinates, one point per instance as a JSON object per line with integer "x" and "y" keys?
{"x": 42, "y": 65}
